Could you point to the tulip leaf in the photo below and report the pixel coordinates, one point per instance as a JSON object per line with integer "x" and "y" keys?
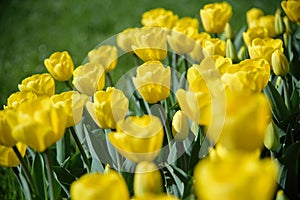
{"x": 96, "y": 166}
{"x": 176, "y": 180}
{"x": 294, "y": 99}
{"x": 38, "y": 174}
{"x": 279, "y": 109}
{"x": 172, "y": 157}
{"x": 238, "y": 40}
{"x": 61, "y": 186}
{"x": 25, "y": 187}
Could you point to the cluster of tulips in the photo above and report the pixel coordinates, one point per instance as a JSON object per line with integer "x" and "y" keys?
{"x": 202, "y": 115}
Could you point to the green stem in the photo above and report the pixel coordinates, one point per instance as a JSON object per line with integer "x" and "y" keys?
{"x": 186, "y": 64}
{"x": 69, "y": 85}
{"x": 26, "y": 170}
{"x": 183, "y": 157}
{"x": 286, "y": 96}
{"x": 49, "y": 167}
{"x": 109, "y": 79}
{"x": 81, "y": 150}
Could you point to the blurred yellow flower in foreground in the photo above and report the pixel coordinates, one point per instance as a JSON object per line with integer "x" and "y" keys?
{"x": 17, "y": 98}
{"x": 138, "y": 138}
{"x": 8, "y": 158}
{"x": 150, "y": 43}
{"x": 156, "y": 197}
{"x": 38, "y": 124}
{"x": 147, "y": 179}
{"x": 60, "y": 65}
{"x": 41, "y": 84}
{"x": 153, "y": 81}
{"x": 215, "y": 16}
{"x": 292, "y": 10}
{"x": 235, "y": 177}
{"x": 253, "y": 15}
{"x": 180, "y": 126}
{"x": 126, "y": 39}
{"x": 263, "y": 48}
{"x": 89, "y": 78}
{"x": 95, "y": 186}
{"x": 105, "y": 55}
{"x": 159, "y": 17}
{"x": 108, "y": 108}
{"x": 245, "y": 123}
{"x": 6, "y": 138}
{"x": 72, "y": 104}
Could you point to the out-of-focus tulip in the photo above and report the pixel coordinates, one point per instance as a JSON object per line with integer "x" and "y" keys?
{"x": 263, "y": 48}
{"x": 291, "y": 9}
{"x": 279, "y": 28}
{"x": 126, "y": 39}
{"x": 255, "y": 32}
{"x": 95, "y": 186}
{"x": 272, "y": 138}
{"x": 214, "y": 46}
{"x": 150, "y": 43}
{"x": 156, "y": 197}
{"x": 60, "y": 65}
{"x": 236, "y": 177}
{"x": 236, "y": 131}
{"x": 38, "y": 124}
{"x": 105, "y": 55}
{"x": 153, "y": 81}
{"x": 17, "y": 98}
{"x": 197, "y": 52}
{"x": 41, "y": 84}
{"x": 180, "y": 126}
{"x": 6, "y": 138}
{"x": 147, "y": 179}
{"x": 159, "y": 17}
{"x": 72, "y": 104}
{"x": 109, "y": 107}
{"x": 138, "y": 138}
{"x": 89, "y": 78}
{"x": 215, "y": 16}
{"x": 253, "y": 15}
{"x": 280, "y": 64}
{"x": 268, "y": 21}
{"x": 8, "y": 158}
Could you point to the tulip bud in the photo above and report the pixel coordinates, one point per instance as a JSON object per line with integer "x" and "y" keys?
{"x": 278, "y": 23}
{"x": 147, "y": 179}
{"x": 230, "y": 50}
{"x": 280, "y": 195}
{"x": 229, "y": 34}
{"x": 280, "y": 64}
{"x": 242, "y": 53}
{"x": 272, "y": 140}
{"x": 180, "y": 126}
{"x": 287, "y": 24}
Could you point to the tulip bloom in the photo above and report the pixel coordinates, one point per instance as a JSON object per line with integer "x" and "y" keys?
{"x": 95, "y": 186}
{"x": 156, "y": 197}
{"x": 280, "y": 64}
{"x": 89, "y": 78}
{"x": 255, "y": 32}
{"x": 215, "y": 16}
{"x": 41, "y": 84}
{"x": 72, "y": 104}
{"x": 6, "y": 138}
{"x": 159, "y": 17}
{"x": 150, "y": 43}
{"x": 126, "y": 39}
{"x": 214, "y": 46}
{"x": 197, "y": 52}
{"x": 60, "y": 65}
{"x": 153, "y": 81}
{"x": 105, "y": 55}
{"x": 253, "y": 15}
{"x": 180, "y": 126}
{"x": 8, "y": 158}
{"x": 235, "y": 177}
{"x": 109, "y": 107}
{"x": 291, "y": 9}
{"x": 263, "y": 48}
{"x": 17, "y": 98}
{"x": 38, "y": 124}
{"x": 138, "y": 138}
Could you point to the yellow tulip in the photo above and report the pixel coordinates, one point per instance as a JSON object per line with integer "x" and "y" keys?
{"x": 150, "y": 43}
{"x": 252, "y": 16}
{"x": 236, "y": 177}
{"x": 72, "y": 104}
{"x": 263, "y": 48}
{"x": 280, "y": 63}
{"x": 236, "y": 133}
{"x": 95, "y": 186}
{"x": 126, "y": 39}
{"x": 105, "y": 55}
{"x": 215, "y": 16}
{"x": 147, "y": 179}
{"x": 138, "y": 138}
{"x": 41, "y": 84}
{"x": 18, "y": 98}
{"x": 159, "y": 17}
{"x": 153, "y": 81}
{"x": 255, "y": 32}
{"x": 268, "y": 21}
{"x": 214, "y": 46}
{"x": 197, "y": 52}
{"x": 6, "y": 138}
{"x": 89, "y": 78}
{"x": 156, "y": 197}
{"x": 248, "y": 76}
{"x": 109, "y": 107}
{"x": 180, "y": 126}
{"x": 38, "y": 124}
{"x": 291, "y": 9}
{"x": 8, "y": 158}
{"x": 60, "y": 65}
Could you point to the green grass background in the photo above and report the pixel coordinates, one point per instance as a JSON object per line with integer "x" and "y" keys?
{"x": 33, "y": 29}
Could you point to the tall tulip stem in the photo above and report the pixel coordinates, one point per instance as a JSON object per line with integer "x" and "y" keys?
{"x": 48, "y": 162}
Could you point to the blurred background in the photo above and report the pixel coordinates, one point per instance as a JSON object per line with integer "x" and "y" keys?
{"x": 33, "y": 29}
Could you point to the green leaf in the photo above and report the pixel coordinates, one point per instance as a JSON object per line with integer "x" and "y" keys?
{"x": 25, "y": 187}
{"x": 176, "y": 180}
{"x": 238, "y": 40}
{"x": 38, "y": 174}
{"x": 279, "y": 109}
